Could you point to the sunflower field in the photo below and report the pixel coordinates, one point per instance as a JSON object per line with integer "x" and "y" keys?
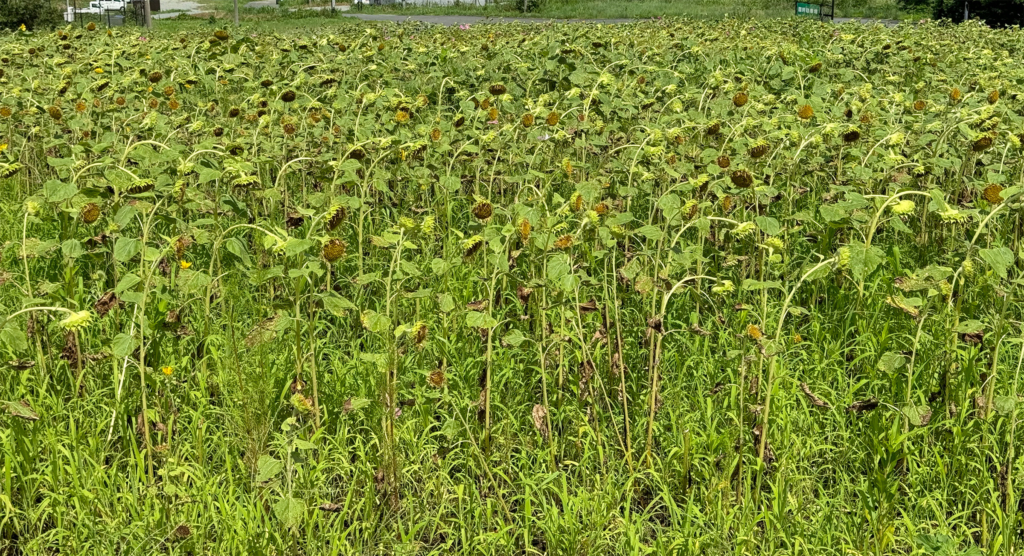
{"x": 668, "y": 287}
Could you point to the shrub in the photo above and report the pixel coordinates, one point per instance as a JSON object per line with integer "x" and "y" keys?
{"x": 34, "y": 14}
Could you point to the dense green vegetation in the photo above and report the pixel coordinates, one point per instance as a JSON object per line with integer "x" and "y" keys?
{"x": 737, "y": 287}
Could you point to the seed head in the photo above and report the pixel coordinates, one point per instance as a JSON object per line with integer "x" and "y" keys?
{"x": 435, "y": 135}
{"x": 221, "y": 35}
{"x": 955, "y": 95}
{"x": 742, "y": 178}
{"x": 90, "y": 213}
{"x": 993, "y": 97}
{"x": 759, "y": 149}
{"x": 564, "y": 242}
{"x": 288, "y": 96}
{"x": 497, "y": 89}
{"x": 524, "y": 229}
{"x": 334, "y": 250}
{"x": 553, "y": 118}
{"x": 805, "y": 112}
{"x": 527, "y": 120}
{"x": 337, "y": 216}
{"x": 401, "y": 116}
{"x": 754, "y": 332}
{"x": 851, "y": 136}
{"x": 55, "y": 112}
{"x": 482, "y": 210}
{"x": 723, "y": 161}
{"x": 155, "y": 77}
{"x": 919, "y": 105}
{"x": 982, "y": 143}
{"x": 739, "y": 99}
{"x": 993, "y": 194}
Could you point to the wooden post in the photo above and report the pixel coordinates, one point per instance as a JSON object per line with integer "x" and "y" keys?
{"x": 147, "y": 14}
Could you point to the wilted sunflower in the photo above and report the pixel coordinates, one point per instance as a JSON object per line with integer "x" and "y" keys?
{"x": 727, "y": 203}
{"x": 337, "y": 216}
{"x": 739, "y": 99}
{"x": 436, "y": 378}
{"x": 289, "y": 129}
{"x": 955, "y": 95}
{"x": 851, "y": 136}
{"x": 155, "y": 77}
{"x": 713, "y": 128}
{"x": 919, "y": 105}
{"x": 993, "y": 97}
{"x": 266, "y": 83}
{"x": 459, "y": 121}
{"x": 174, "y": 104}
{"x": 553, "y": 118}
{"x": 993, "y": 194}
{"x": 334, "y": 250}
{"x": 89, "y": 213}
{"x": 234, "y": 112}
{"x": 91, "y": 26}
{"x": 524, "y": 229}
{"x": 527, "y": 120}
{"x": 419, "y": 333}
{"x": 805, "y": 111}
{"x": 564, "y": 242}
{"x": 55, "y": 113}
{"x": 485, "y": 104}
{"x": 759, "y": 149}
{"x": 154, "y": 103}
{"x": 497, "y": 89}
{"x": 754, "y": 332}
{"x": 982, "y": 143}
{"x": 435, "y": 135}
{"x": 218, "y": 131}
{"x": 723, "y": 161}
{"x": 288, "y": 96}
{"x": 119, "y": 101}
{"x": 472, "y": 245}
{"x": 221, "y": 35}
{"x": 601, "y": 208}
{"x": 9, "y": 170}
{"x": 814, "y": 68}
{"x": 401, "y": 116}
{"x": 141, "y": 186}
{"x": 80, "y": 107}
{"x": 742, "y": 178}
{"x": 492, "y": 114}
{"x": 483, "y": 209}
{"x": 6, "y": 111}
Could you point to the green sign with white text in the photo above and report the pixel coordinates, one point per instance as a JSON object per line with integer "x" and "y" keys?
{"x": 808, "y": 9}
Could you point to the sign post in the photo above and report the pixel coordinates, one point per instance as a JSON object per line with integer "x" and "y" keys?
{"x": 817, "y": 8}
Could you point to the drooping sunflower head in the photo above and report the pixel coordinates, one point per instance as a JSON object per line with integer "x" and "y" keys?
{"x": 234, "y": 112}
{"x": 334, "y": 250}
{"x": 221, "y": 35}
{"x": 742, "y": 178}
{"x": 814, "y": 68}
{"x": 919, "y": 105}
{"x": 55, "y": 112}
{"x": 851, "y": 136}
{"x": 497, "y": 89}
{"x": 336, "y": 215}
{"x": 89, "y": 213}
{"x": 740, "y": 99}
{"x": 288, "y": 96}
{"x": 982, "y": 143}
{"x": 993, "y": 193}
{"x": 723, "y": 161}
{"x": 993, "y": 97}
{"x": 435, "y": 135}
{"x": 753, "y": 332}
{"x": 524, "y": 229}
{"x": 759, "y": 149}
{"x": 155, "y": 77}
{"x": 714, "y": 127}
{"x": 805, "y": 112}
{"x": 483, "y": 209}
{"x": 553, "y": 118}
{"x": 266, "y": 83}
{"x": 564, "y": 242}
{"x": 80, "y": 106}
{"x": 527, "y": 120}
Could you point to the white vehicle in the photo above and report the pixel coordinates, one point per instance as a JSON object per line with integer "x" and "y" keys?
{"x": 94, "y": 7}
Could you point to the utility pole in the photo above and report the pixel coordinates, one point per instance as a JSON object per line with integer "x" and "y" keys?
{"x": 147, "y": 13}
{"x": 967, "y": 15}
{"x": 236, "y": 13}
